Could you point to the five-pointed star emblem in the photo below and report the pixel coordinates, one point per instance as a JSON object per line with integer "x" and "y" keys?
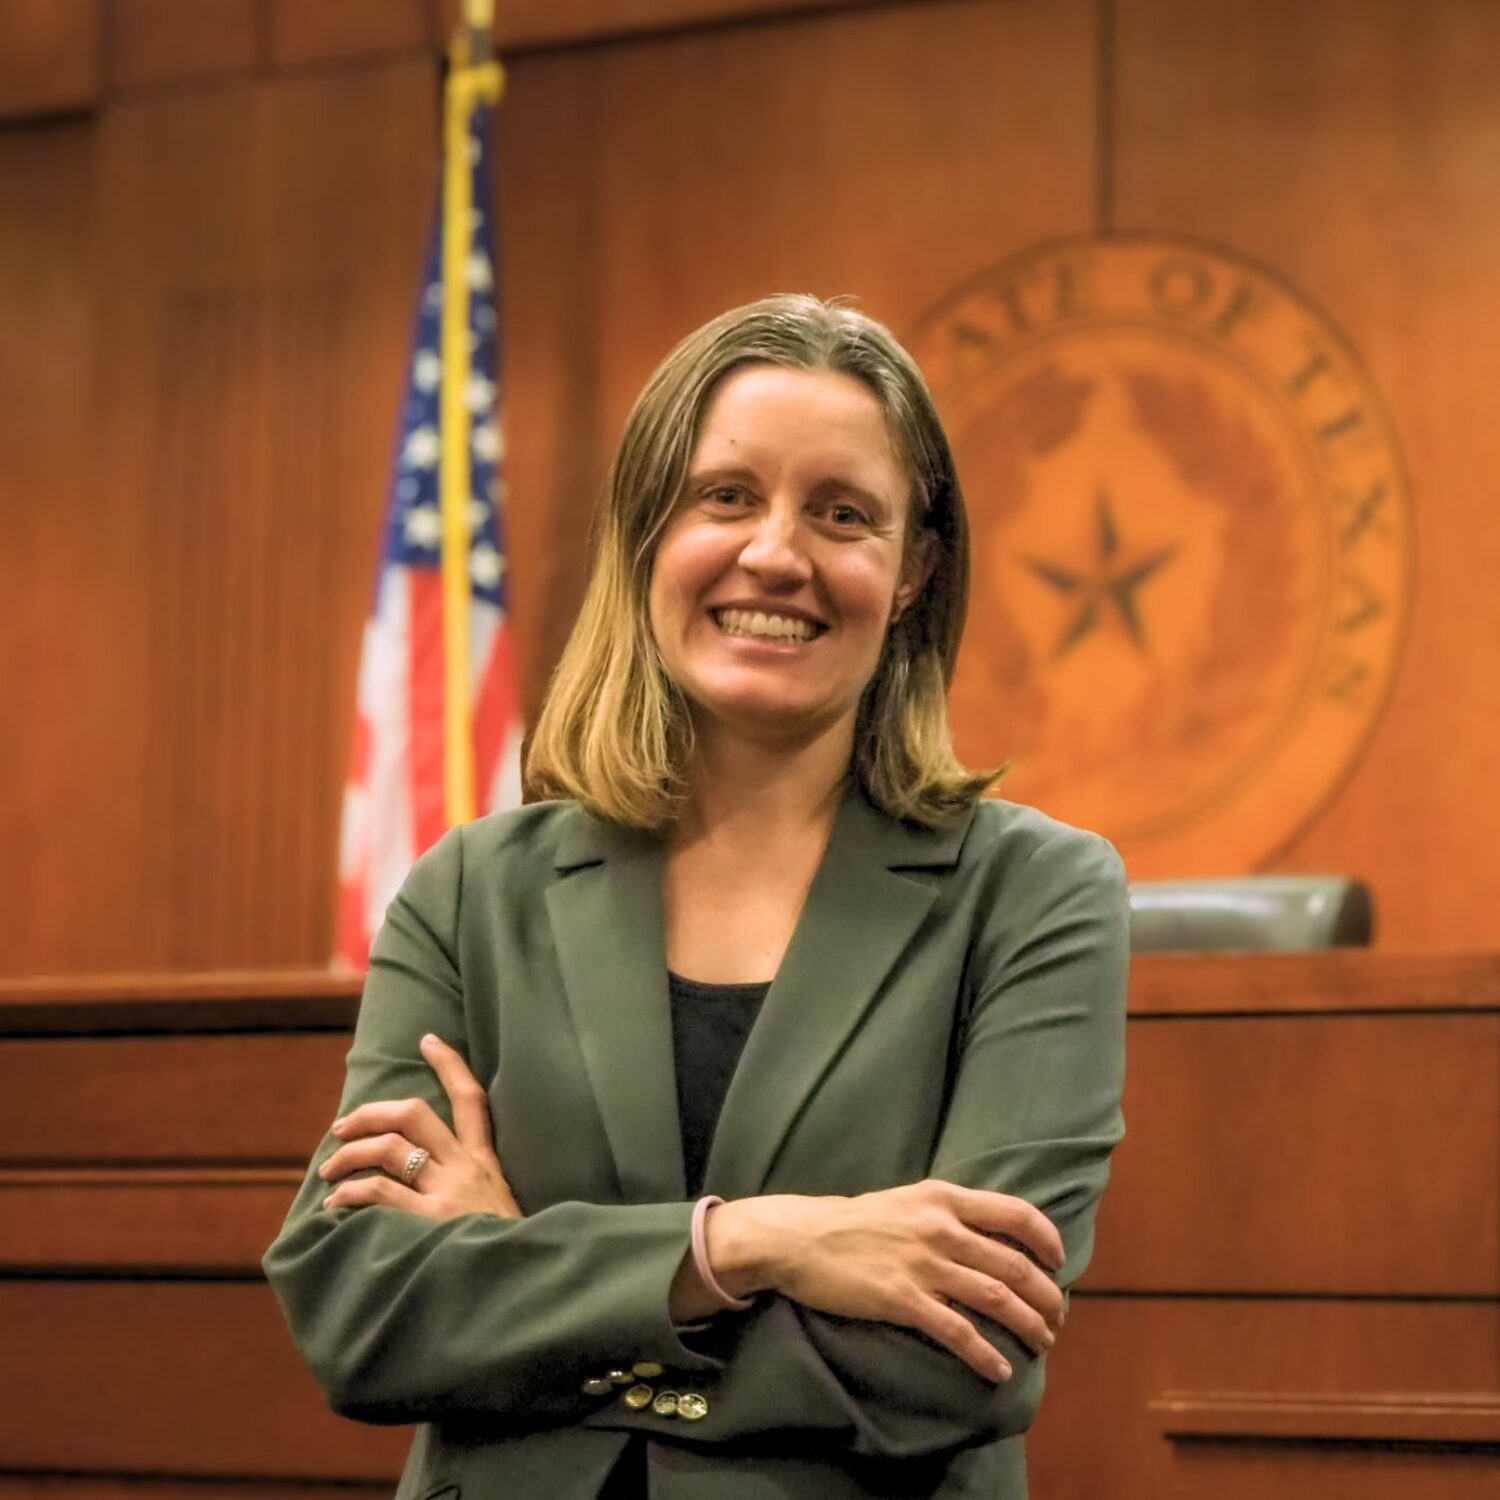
{"x": 1110, "y": 585}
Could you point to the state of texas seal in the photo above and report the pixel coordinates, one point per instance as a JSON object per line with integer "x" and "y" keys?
{"x": 1192, "y": 544}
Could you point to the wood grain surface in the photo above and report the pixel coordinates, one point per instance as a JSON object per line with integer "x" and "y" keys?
{"x": 1122, "y": 1357}
{"x": 1295, "y": 1266}
{"x": 49, "y": 57}
{"x": 1349, "y": 145}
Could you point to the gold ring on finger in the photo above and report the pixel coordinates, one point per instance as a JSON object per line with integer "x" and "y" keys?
{"x": 414, "y": 1164}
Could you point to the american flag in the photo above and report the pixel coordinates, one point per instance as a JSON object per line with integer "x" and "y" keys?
{"x": 394, "y": 797}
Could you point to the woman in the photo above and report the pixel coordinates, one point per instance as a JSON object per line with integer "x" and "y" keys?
{"x": 820, "y": 1254}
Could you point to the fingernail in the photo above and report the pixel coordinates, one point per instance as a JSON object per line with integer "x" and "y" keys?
{"x": 1002, "y": 1370}
{"x": 328, "y": 1201}
{"x": 431, "y": 1036}
{"x": 338, "y": 1124}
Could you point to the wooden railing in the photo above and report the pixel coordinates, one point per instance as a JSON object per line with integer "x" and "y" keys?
{"x": 1296, "y": 1288}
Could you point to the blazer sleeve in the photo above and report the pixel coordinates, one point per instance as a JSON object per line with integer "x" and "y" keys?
{"x": 404, "y": 1319}
{"x": 1035, "y": 1112}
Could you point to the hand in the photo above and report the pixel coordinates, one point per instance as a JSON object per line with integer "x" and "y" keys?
{"x": 905, "y": 1255}
{"x": 462, "y": 1174}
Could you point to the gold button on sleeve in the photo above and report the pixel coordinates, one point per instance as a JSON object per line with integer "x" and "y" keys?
{"x": 692, "y": 1407}
{"x": 646, "y": 1369}
{"x": 619, "y": 1377}
{"x": 637, "y": 1397}
{"x": 665, "y": 1404}
{"x": 597, "y": 1385}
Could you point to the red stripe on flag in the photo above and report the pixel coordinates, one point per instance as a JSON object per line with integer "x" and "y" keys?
{"x": 495, "y": 711}
{"x": 425, "y": 707}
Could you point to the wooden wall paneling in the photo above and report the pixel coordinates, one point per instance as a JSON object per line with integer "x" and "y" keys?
{"x": 183, "y": 1378}
{"x": 49, "y": 57}
{"x": 145, "y": 1222}
{"x": 1236, "y": 1334}
{"x": 153, "y": 43}
{"x": 202, "y": 1379}
{"x": 537, "y": 23}
{"x": 1319, "y": 1142}
{"x": 1120, "y": 1355}
{"x": 1350, "y": 146}
{"x": 56, "y": 621}
{"x": 888, "y": 152}
{"x": 170, "y": 1100}
{"x": 315, "y": 31}
{"x": 264, "y": 245}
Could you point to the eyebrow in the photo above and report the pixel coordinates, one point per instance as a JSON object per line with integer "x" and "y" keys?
{"x": 719, "y": 475}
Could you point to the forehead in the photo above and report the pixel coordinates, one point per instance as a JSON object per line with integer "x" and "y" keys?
{"x": 769, "y": 415}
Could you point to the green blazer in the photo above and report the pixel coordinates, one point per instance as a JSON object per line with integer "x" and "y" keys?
{"x": 951, "y": 1005}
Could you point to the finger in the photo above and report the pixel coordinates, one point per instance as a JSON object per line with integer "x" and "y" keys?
{"x": 471, "y": 1105}
{"x": 388, "y": 1153}
{"x": 1001, "y": 1262}
{"x": 1001, "y": 1213}
{"x": 956, "y": 1333}
{"x": 996, "y": 1301}
{"x": 413, "y": 1118}
{"x": 362, "y": 1192}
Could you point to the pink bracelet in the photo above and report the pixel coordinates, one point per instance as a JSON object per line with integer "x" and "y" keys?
{"x": 700, "y": 1257}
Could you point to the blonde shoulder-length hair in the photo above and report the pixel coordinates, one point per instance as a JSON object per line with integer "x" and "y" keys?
{"x": 615, "y": 733}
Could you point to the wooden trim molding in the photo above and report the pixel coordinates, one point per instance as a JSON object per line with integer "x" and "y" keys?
{"x": 1340, "y": 981}
{"x": 1355, "y": 982}
{"x": 141, "y": 1221}
{"x": 1402, "y": 1417}
{"x": 239, "y": 1000}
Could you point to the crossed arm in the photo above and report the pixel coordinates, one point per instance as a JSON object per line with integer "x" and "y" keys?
{"x": 891, "y": 1315}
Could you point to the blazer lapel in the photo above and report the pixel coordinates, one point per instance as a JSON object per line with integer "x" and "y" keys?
{"x": 605, "y": 909}
{"x": 858, "y": 918}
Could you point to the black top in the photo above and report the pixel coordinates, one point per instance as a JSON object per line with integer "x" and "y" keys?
{"x": 710, "y": 1024}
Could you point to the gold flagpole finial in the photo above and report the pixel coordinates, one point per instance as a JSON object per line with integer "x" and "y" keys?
{"x": 479, "y": 14}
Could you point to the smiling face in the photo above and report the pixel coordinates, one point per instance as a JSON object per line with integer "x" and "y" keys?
{"x": 776, "y": 578}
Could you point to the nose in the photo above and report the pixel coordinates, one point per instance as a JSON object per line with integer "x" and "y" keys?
{"x": 775, "y": 551}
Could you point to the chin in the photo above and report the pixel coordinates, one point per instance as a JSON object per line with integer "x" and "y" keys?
{"x": 760, "y": 715}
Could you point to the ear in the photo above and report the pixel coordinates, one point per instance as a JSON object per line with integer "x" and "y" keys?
{"x": 916, "y": 568}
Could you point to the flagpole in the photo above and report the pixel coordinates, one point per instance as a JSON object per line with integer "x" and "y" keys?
{"x": 473, "y": 78}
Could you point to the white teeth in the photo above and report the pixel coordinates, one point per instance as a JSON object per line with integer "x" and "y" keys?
{"x": 755, "y": 622}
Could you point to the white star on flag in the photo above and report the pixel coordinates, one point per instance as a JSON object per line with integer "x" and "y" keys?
{"x": 478, "y": 513}
{"x": 487, "y": 445}
{"x": 426, "y": 371}
{"x": 477, "y": 272}
{"x": 422, "y": 448}
{"x": 480, "y": 394}
{"x": 486, "y": 565}
{"x": 423, "y": 526}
